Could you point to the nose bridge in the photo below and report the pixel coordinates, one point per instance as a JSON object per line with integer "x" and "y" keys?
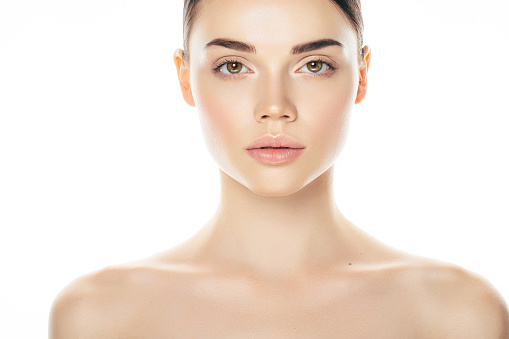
{"x": 275, "y": 98}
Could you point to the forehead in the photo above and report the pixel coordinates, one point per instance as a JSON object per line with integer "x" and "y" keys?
{"x": 271, "y": 23}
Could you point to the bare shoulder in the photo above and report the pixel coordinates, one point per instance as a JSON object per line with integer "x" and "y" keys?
{"x": 458, "y": 303}
{"x": 89, "y": 306}
{"x": 105, "y": 303}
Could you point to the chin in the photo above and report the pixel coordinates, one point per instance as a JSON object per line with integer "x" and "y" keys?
{"x": 273, "y": 181}
{"x": 265, "y": 190}
{"x": 278, "y": 185}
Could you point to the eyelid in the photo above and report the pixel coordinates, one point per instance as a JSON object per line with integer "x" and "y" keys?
{"x": 332, "y": 66}
{"x": 323, "y": 74}
{"x": 315, "y": 57}
{"x": 329, "y": 62}
{"x": 216, "y": 69}
{"x": 303, "y": 62}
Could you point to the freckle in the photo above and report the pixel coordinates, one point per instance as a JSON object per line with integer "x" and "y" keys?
{"x": 350, "y": 263}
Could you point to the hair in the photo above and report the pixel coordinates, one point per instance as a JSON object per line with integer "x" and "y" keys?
{"x": 352, "y": 9}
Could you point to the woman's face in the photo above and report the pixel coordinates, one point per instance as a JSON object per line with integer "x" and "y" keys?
{"x": 267, "y": 85}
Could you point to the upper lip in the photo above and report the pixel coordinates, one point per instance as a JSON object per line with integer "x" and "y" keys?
{"x": 275, "y": 142}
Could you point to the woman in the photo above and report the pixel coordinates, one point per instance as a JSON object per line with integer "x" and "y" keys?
{"x": 274, "y": 83}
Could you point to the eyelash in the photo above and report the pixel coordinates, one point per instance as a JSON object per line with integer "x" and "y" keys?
{"x": 223, "y": 62}
{"x": 216, "y": 68}
{"x": 324, "y": 74}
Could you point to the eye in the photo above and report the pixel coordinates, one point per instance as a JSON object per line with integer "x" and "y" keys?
{"x": 315, "y": 66}
{"x": 232, "y": 67}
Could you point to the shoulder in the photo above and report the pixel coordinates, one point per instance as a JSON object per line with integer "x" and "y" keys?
{"x": 470, "y": 302}
{"x": 89, "y": 306}
{"x": 100, "y": 304}
{"x": 456, "y": 302}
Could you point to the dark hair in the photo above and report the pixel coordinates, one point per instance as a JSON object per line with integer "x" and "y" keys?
{"x": 352, "y": 9}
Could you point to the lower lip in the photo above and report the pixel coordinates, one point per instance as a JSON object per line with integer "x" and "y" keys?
{"x": 275, "y": 156}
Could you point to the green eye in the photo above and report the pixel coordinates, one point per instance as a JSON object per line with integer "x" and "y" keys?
{"x": 314, "y": 66}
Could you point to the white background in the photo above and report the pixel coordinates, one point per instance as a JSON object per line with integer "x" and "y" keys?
{"x": 101, "y": 162}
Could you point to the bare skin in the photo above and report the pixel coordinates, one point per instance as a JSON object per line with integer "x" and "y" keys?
{"x": 278, "y": 259}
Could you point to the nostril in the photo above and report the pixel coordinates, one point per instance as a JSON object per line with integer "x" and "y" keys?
{"x": 269, "y": 116}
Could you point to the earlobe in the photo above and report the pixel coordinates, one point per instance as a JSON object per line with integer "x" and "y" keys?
{"x": 363, "y": 74}
{"x": 184, "y": 76}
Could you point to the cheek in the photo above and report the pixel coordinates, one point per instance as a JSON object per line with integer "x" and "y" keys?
{"x": 222, "y": 110}
{"x": 327, "y": 115}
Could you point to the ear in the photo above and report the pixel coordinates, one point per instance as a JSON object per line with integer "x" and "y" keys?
{"x": 363, "y": 74}
{"x": 184, "y": 76}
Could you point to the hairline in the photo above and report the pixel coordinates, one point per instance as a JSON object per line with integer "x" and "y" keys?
{"x": 196, "y": 12}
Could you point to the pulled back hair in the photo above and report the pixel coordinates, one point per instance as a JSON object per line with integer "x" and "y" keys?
{"x": 352, "y": 9}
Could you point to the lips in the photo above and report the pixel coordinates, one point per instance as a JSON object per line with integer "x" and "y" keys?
{"x": 277, "y": 150}
{"x": 278, "y": 142}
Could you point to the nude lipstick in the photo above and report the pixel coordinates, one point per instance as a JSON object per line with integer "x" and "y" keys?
{"x": 277, "y": 150}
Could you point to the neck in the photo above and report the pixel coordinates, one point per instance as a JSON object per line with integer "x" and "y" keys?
{"x": 282, "y": 234}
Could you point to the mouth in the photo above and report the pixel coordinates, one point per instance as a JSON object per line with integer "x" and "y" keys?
{"x": 275, "y": 155}
{"x": 278, "y": 150}
{"x": 275, "y": 142}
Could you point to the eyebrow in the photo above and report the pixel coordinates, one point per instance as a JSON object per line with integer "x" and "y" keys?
{"x": 232, "y": 44}
{"x": 314, "y": 45}
{"x": 301, "y": 48}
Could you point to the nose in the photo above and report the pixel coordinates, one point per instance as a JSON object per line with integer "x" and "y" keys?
{"x": 274, "y": 102}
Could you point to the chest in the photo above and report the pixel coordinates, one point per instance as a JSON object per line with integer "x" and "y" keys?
{"x": 276, "y": 312}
